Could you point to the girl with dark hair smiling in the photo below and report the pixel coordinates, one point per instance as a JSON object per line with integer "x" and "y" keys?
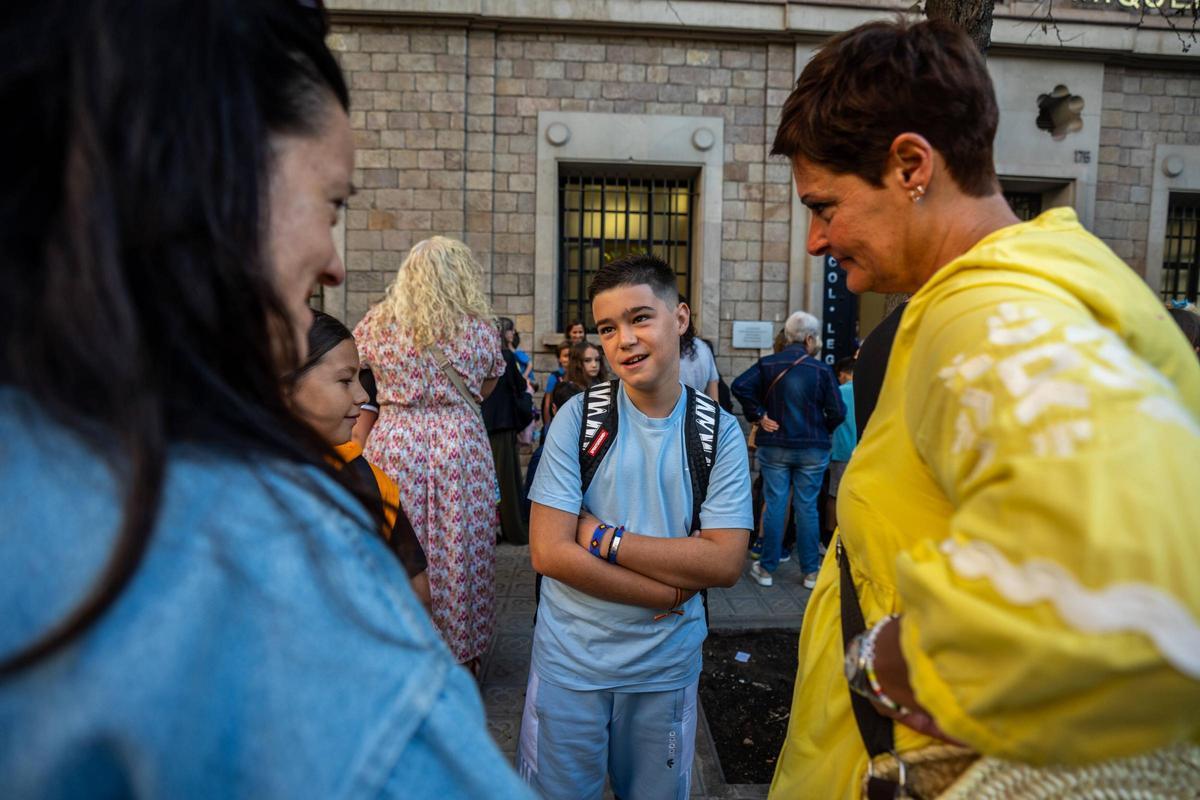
{"x": 326, "y": 392}
{"x": 195, "y": 602}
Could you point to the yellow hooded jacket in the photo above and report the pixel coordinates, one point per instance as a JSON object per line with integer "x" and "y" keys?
{"x": 1026, "y": 496}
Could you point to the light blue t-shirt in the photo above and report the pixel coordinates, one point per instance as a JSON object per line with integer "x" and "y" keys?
{"x": 585, "y": 643}
{"x": 523, "y": 362}
{"x": 268, "y": 646}
{"x": 846, "y": 435}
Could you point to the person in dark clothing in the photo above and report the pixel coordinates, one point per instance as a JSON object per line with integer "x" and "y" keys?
{"x": 506, "y": 411}
{"x": 795, "y": 400}
{"x": 789, "y": 530}
{"x": 564, "y": 390}
{"x": 1189, "y": 323}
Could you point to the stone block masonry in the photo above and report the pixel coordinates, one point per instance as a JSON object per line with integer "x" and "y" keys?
{"x": 446, "y": 120}
{"x": 1142, "y": 108}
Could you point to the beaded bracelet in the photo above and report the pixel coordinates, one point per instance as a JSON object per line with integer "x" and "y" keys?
{"x": 615, "y": 543}
{"x": 868, "y": 660}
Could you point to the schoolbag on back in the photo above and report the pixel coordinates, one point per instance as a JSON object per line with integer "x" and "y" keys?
{"x": 599, "y": 430}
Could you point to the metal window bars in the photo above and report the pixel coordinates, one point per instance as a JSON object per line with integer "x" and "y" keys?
{"x": 602, "y": 218}
{"x": 1181, "y": 249}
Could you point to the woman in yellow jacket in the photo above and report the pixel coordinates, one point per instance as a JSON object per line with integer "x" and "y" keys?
{"x": 1019, "y": 525}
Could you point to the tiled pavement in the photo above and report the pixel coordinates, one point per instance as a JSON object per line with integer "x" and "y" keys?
{"x": 506, "y": 668}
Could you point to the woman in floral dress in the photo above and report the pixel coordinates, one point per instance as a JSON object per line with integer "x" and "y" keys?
{"x": 427, "y": 437}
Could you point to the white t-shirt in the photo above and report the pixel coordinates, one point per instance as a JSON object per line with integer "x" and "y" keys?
{"x": 698, "y": 369}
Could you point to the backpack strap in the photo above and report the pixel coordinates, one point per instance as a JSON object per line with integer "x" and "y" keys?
{"x": 701, "y": 424}
{"x": 598, "y": 429}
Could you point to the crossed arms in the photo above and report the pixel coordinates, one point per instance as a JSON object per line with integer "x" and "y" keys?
{"x": 649, "y": 568}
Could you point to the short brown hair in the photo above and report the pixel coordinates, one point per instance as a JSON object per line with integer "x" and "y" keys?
{"x": 635, "y": 269}
{"x": 870, "y": 84}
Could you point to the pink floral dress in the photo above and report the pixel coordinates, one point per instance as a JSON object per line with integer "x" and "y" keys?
{"x": 437, "y": 451}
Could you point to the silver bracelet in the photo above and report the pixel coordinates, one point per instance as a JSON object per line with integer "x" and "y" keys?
{"x": 615, "y": 544}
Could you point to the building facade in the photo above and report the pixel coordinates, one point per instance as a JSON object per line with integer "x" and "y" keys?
{"x": 553, "y": 134}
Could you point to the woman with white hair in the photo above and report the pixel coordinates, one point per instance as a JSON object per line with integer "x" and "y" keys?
{"x": 430, "y": 437}
{"x": 795, "y": 401}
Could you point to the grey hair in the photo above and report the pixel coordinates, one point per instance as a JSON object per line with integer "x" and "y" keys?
{"x": 800, "y": 325}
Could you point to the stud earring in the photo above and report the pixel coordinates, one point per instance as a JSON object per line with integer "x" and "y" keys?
{"x": 916, "y": 194}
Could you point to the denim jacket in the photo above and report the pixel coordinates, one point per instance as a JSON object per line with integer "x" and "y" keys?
{"x": 805, "y": 402}
{"x": 268, "y": 646}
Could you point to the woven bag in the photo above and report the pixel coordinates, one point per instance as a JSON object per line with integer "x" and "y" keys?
{"x": 946, "y": 772}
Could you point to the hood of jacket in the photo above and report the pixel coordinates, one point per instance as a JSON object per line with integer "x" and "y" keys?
{"x": 1055, "y": 249}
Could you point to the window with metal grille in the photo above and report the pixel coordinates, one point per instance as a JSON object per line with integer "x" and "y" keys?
{"x": 603, "y": 217}
{"x": 1026, "y": 205}
{"x": 1181, "y": 250}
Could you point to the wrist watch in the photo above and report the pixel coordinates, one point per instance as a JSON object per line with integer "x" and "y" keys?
{"x": 860, "y": 668}
{"x": 856, "y": 668}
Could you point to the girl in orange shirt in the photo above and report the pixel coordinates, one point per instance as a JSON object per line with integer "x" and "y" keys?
{"x": 326, "y": 392}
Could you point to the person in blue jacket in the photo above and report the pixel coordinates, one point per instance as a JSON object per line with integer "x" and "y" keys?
{"x": 795, "y": 400}
{"x": 195, "y": 600}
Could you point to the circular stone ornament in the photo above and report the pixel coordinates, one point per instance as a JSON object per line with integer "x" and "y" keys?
{"x": 558, "y": 134}
{"x": 1172, "y": 166}
{"x": 703, "y": 139}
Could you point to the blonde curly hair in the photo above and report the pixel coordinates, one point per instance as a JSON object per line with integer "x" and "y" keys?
{"x": 439, "y": 285}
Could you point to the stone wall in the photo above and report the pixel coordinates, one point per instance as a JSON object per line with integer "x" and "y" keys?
{"x": 1142, "y": 109}
{"x": 446, "y": 119}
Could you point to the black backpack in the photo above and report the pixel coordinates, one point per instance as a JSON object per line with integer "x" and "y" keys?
{"x": 599, "y": 430}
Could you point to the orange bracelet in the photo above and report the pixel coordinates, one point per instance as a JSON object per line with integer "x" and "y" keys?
{"x": 675, "y": 609}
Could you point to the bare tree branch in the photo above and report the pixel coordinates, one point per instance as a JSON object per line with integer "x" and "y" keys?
{"x": 1049, "y": 22}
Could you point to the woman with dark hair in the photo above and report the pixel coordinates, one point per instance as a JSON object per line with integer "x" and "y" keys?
{"x": 512, "y": 342}
{"x": 999, "y": 585}
{"x": 506, "y": 412}
{"x": 195, "y": 601}
{"x": 576, "y": 332}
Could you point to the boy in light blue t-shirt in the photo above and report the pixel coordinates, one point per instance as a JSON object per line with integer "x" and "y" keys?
{"x": 616, "y": 650}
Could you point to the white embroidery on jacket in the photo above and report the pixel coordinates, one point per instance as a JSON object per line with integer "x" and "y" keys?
{"x": 1118, "y": 608}
{"x": 1052, "y": 372}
